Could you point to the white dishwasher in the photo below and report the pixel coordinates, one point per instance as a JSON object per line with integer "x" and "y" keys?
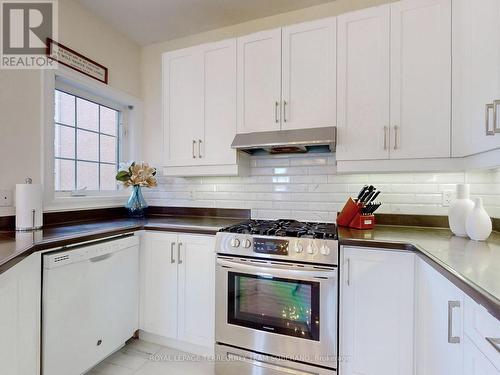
{"x": 90, "y": 304}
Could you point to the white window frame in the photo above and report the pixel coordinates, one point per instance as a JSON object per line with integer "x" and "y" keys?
{"x": 130, "y": 141}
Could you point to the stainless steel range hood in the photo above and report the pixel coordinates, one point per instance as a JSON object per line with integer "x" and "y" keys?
{"x": 287, "y": 141}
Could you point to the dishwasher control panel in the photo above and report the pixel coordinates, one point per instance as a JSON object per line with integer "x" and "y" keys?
{"x": 91, "y": 251}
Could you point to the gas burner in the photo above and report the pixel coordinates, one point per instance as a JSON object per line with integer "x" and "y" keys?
{"x": 285, "y": 228}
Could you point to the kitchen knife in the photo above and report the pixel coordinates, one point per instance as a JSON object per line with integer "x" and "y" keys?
{"x": 367, "y": 192}
{"x": 374, "y": 196}
{"x": 368, "y": 198}
{"x": 362, "y": 192}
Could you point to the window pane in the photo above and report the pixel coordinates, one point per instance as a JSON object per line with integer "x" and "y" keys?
{"x": 109, "y": 121}
{"x": 108, "y": 149}
{"x": 87, "y": 114}
{"x": 108, "y": 173}
{"x": 64, "y": 175}
{"x": 87, "y": 175}
{"x": 87, "y": 145}
{"x": 64, "y": 108}
{"x": 64, "y": 142}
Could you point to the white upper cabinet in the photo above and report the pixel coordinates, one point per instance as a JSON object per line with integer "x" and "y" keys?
{"x": 286, "y": 78}
{"x": 183, "y": 105}
{"x": 420, "y": 79}
{"x": 394, "y": 81}
{"x": 219, "y": 64}
{"x": 308, "y": 71}
{"x": 259, "y": 81}
{"x": 476, "y": 75}
{"x": 199, "y": 93}
{"x": 363, "y": 84}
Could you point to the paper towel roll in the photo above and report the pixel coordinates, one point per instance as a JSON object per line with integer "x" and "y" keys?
{"x": 29, "y": 206}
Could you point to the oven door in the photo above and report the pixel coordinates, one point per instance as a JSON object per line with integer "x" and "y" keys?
{"x": 281, "y": 309}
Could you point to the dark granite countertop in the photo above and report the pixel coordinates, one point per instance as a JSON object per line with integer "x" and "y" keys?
{"x": 473, "y": 266}
{"x": 15, "y": 246}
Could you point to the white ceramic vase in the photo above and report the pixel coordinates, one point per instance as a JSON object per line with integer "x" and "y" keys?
{"x": 478, "y": 223}
{"x": 459, "y": 210}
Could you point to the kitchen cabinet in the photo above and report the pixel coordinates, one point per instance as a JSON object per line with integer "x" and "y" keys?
{"x": 178, "y": 292}
{"x": 420, "y": 79}
{"x": 20, "y": 296}
{"x": 394, "y": 81}
{"x": 439, "y": 322}
{"x": 476, "y": 76}
{"x": 309, "y": 75}
{"x": 363, "y": 84}
{"x": 286, "y": 78}
{"x": 475, "y": 362}
{"x": 199, "y": 98}
{"x": 259, "y": 81}
{"x": 376, "y": 312}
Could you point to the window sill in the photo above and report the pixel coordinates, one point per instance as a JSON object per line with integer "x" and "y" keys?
{"x": 63, "y": 203}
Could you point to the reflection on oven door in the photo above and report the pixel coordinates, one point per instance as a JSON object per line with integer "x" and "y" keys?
{"x": 231, "y": 361}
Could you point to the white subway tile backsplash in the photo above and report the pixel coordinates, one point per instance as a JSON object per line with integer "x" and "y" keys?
{"x": 306, "y": 187}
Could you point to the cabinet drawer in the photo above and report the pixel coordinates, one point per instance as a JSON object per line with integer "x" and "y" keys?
{"x": 481, "y": 328}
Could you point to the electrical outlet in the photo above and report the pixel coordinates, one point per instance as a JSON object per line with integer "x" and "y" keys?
{"x": 6, "y": 198}
{"x": 447, "y": 198}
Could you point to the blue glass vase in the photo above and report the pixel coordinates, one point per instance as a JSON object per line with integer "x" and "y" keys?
{"x": 136, "y": 204}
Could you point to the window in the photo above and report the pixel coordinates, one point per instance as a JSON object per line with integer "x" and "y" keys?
{"x": 87, "y": 138}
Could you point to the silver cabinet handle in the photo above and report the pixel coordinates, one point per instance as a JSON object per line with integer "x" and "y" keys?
{"x": 487, "y": 119}
{"x": 199, "y": 148}
{"x": 276, "y": 107}
{"x": 385, "y": 137}
{"x": 452, "y": 339}
{"x": 179, "y": 260}
{"x": 496, "y": 127}
{"x": 194, "y": 143}
{"x": 348, "y": 271}
{"x": 494, "y": 342}
{"x": 396, "y": 129}
{"x": 172, "y": 259}
{"x": 284, "y": 110}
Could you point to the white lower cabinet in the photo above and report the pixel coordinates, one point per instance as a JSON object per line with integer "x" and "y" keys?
{"x": 376, "y": 312}
{"x": 439, "y": 333}
{"x": 475, "y": 362}
{"x": 20, "y": 318}
{"x": 178, "y": 291}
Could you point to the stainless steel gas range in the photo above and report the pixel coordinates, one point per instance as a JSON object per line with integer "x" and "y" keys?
{"x": 276, "y": 298}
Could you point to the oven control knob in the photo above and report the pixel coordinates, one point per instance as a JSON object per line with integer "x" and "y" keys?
{"x": 311, "y": 248}
{"x": 325, "y": 250}
{"x": 235, "y": 242}
{"x": 246, "y": 243}
{"x": 298, "y": 247}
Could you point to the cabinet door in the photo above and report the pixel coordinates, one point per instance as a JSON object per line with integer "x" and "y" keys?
{"x": 420, "y": 79}
{"x": 363, "y": 84}
{"x": 197, "y": 290}
{"x": 309, "y": 75}
{"x": 476, "y": 76}
{"x": 259, "y": 81}
{"x": 20, "y": 318}
{"x": 377, "y": 316}
{"x": 475, "y": 362}
{"x": 219, "y": 62}
{"x": 439, "y": 306}
{"x": 159, "y": 284}
{"x": 183, "y": 106}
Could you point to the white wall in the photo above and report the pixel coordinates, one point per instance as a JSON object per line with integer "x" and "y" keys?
{"x": 20, "y": 91}
{"x": 308, "y": 188}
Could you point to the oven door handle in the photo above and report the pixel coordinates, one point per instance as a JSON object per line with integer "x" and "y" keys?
{"x": 271, "y": 271}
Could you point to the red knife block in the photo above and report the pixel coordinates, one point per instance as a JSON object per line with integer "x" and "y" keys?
{"x": 352, "y": 217}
